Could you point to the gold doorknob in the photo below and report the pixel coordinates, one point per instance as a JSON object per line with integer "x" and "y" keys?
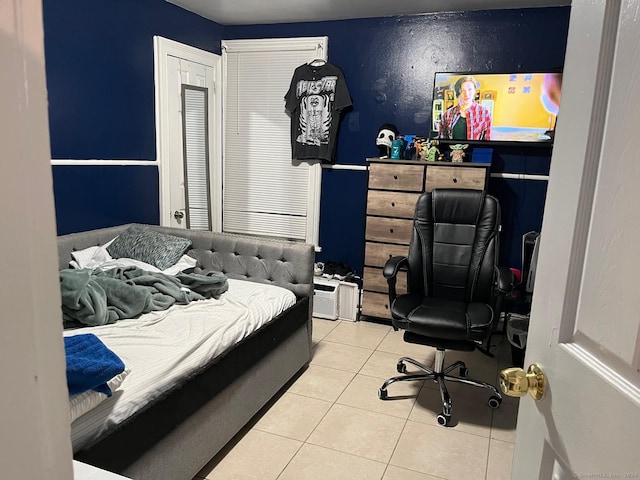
{"x": 515, "y": 382}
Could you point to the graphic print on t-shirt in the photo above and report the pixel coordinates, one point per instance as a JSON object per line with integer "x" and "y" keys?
{"x": 315, "y": 109}
{"x": 315, "y": 100}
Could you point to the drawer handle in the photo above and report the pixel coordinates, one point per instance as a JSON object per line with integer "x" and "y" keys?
{"x": 393, "y": 204}
{"x": 455, "y": 180}
{"x": 395, "y": 177}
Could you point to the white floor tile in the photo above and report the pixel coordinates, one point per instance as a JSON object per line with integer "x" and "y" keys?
{"x": 397, "y": 473}
{"x": 323, "y": 383}
{"x": 359, "y": 334}
{"x": 469, "y": 416}
{"x": 500, "y": 459}
{"x": 341, "y": 357}
{"x": 442, "y": 452}
{"x": 503, "y": 426}
{"x": 293, "y": 416}
{"x": 321, "y": 328}
{"x": 362, "y": 393}
{"x": 384, "y": 365}
{"x": 317, "y": 463}
{"x": 257, "y": 456}
{"x": 358, "y": 432}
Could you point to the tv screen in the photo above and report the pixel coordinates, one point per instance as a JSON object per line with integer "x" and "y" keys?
{"x": 502, "y": 107}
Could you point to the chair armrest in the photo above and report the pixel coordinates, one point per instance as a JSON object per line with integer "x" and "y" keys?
{"x": 390, "y": 271}
{"x": 393, "y": 266}
{"x": 505, "y": 280}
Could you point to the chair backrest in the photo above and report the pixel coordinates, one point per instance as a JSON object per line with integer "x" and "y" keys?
{"x": 454, "y": 245}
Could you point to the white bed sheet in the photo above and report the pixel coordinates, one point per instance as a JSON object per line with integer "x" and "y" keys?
{"x": 161, "y": 348}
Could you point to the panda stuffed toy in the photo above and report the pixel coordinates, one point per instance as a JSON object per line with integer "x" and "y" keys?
{"x": 387, "y": 133}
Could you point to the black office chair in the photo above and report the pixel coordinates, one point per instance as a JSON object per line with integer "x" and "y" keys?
{"x": 454, "y": 285}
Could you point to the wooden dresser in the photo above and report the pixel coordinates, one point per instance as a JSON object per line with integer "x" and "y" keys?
{"x": 394, "y": 188}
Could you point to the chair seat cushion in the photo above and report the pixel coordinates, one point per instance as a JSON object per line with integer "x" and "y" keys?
{"x": 440, "y": 318}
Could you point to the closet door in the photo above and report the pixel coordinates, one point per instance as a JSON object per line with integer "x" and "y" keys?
{"x": 189, "y": 135}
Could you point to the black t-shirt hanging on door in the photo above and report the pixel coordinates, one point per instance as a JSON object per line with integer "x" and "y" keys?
{"x": 315, "y": 99}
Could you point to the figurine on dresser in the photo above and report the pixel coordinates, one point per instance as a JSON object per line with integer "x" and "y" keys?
{"x": 431, "y": 152}
{"x": 387, "y": 133}
{"x": 457, "y": 152}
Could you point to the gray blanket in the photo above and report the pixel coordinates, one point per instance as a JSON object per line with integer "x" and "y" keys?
{"x": 96, "y": 297}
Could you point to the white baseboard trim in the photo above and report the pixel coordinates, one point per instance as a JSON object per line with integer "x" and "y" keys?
{"x": 111, "y": 163}
{"x": 327, "y": 166}
{"x": 520, "y": 176}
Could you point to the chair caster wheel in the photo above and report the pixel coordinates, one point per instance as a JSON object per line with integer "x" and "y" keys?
{"x": 494, "y": 401}
{"x": 443, "y": 419}
{"x": 401, "y": 367}
{"x": 382, "y": 394}
{"x": 464, "y": 372}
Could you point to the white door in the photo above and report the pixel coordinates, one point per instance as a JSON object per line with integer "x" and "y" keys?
{"x": 585, "y": 321}
{"x": 178, "y": 65}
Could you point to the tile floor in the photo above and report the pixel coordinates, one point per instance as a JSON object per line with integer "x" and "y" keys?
{"x": 328, "y": 423}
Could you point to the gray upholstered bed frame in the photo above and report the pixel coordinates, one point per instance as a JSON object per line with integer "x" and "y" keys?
{"x": 177, "y": 436}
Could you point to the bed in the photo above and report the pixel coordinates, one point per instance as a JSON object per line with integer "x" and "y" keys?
{"x": 187, "y": 392}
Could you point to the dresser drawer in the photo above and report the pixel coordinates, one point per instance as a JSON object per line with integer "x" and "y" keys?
{"x": 455, "y": 177}
{"x": 392, "y": 230}
{"x": 391, "y": 204}
{"x": 374, "y": 280}
{"x": 375, "y": 305}
{"x": 385, "y": 176}
{"x": 377, "y": 254}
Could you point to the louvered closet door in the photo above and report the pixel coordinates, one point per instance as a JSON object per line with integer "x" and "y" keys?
{"x": 265, "y": 192}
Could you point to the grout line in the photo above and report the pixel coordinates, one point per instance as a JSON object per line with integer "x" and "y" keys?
{"x": 486, "y": 465}
{"x": 349, "y": 345}
{"x": 345, "y": 453}
{"x": 302, "y": 444}
{"x": 369, "y": 411}
{"x": 406, "y": 421}
{"x": 386, "y": 468}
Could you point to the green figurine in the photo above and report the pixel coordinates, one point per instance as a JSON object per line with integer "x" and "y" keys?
{"x": 457, "y": 152}
{"x": 432, "y": 152}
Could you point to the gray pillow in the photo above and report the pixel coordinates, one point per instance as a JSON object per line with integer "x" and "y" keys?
{"x": 158, "y": 249}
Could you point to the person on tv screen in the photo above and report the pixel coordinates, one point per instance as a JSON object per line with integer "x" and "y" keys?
{"x": 468, "y": 120}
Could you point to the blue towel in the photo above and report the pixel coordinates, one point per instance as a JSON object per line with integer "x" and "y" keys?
{"x": 90, "y": 364}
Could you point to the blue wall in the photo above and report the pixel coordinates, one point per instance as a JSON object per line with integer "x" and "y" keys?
{"x": 99, "y": 196}
{"x": 100, "y": 79}
{"x": 99, "y": 66}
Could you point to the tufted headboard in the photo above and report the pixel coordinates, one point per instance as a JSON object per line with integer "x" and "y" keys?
{"x": 284, "y": 263}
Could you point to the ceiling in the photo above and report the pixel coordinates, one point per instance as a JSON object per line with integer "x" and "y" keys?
{"x": 250, "y": 12}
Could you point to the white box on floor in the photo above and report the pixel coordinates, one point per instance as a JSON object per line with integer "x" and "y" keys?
{"x": 335, "y": 300}
{"x": 348, "y": 301}
{"x": 325, "y": 298}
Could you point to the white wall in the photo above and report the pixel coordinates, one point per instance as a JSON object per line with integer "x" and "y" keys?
{"x": 34, "y": 425}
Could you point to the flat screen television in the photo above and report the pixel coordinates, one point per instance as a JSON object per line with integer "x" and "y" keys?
{"x": 495, "y": 107}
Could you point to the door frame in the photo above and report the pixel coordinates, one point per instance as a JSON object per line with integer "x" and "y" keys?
{"x": 162, "y": 49}
{"x": 35, "y": 442}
